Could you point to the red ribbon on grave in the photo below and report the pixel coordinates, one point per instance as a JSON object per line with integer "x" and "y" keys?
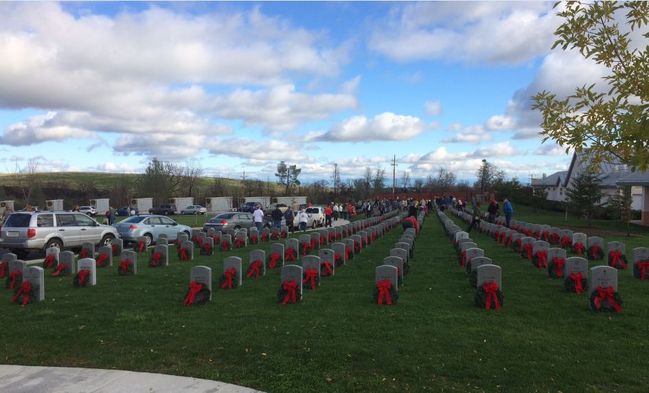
{"x": 60, "y": 269}
{"x": 194, "y": 289}
{"x": 643, "y": 267}
{"x": 83, "y": 253}
{"x": 290, "y": 289}
{"x": 182, "y": 254}
{"x": 491, "y": 290}
{"x": 83, "y": 275}
{"x": 13, "y": 278}
{"x": 305, "y": 248}
{"x": 254, "y": 239}
{"x": 338, "y": 259}
{"x": 207, "y": 248}
{"x": 3, "y": 269}
{"x": 323, "y": 239}
{"x": 102, "y": 259}
{"x": 114, "y": 248}
{"x": 49, "y": 261}
{"x": 328, "y": 269}
{"x": 508, "y": 241}
{"x": 225, "y": 245}
{"x": 289, "y": 255}
{"x": 310, "y": 278}
{"x": 274, "y": 235}
{"x": 331, "y": 236}
{"x": 264, "y": 236}
{"x": 348, "y": 253}
{"x": 528, "y": 250}
{"x": 615, "y": 256}
{"x": 125, "y": 265}
{"x": 254, "y": 269}
{"x": 357, "y": 247}
{"x": 216, "y": 239}
{"x": 156, "y": 259}
{"x": 576, "y": 278}
{"x": 384, "y": 287}
{"x": 24, "y": 291}
{"x": 239, "y": 243}
{"x": 274, "y": 258}
{"x": 565, "y": 241}
{"x": 463, "y": 258}
{"x": 558, "y": 264}
{"x": 284, "y": 234}
{"x": 313, "y": 244}
{"x": 579, "y": 248}
{"x": 596, "y": 251}
{"x": 141, "y": 246}
{"x": 230, "y": 274}
{"x": 517, "y": 244}
{"x": 607, "y": 294}
{"x": 198, "y": 241}
{"x": 542, "y": 259}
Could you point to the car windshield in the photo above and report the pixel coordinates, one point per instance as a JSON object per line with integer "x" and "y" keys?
{"x": 86, "y": 207}
{"x": 18, "y": 221}
{"x": 225, "y": 216}
{"x": 313, "y": 210}
{"x": 134, "y": 219}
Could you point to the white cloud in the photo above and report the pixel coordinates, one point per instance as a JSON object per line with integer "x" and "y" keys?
{"x": 492, "y": 32}
{"x": 499, "y": 122}
{"x": 386, "y": 126}
{"x": 501, "y": 149}
{"x": 259, "y": 151}
{"x": 468, "y": 134}
{"x": 41, "y": 128}
{"x": 433, "y": 108}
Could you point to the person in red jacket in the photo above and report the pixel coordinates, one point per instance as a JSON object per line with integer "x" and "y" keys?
{"x": 329, "y": 214}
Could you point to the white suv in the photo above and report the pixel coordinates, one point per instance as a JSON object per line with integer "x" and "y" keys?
{"x": 316, "y": 216}
{"x": 89, "y": 210}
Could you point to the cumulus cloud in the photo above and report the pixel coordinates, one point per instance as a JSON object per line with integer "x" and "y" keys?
{"x": 492, "y": 32}
{"x": 468, "y": 134}
{"x": 386, "y": 126}
{"x": 41, "y": 128}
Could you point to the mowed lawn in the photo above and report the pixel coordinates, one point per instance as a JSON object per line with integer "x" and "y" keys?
{"x": 336, "y": 340}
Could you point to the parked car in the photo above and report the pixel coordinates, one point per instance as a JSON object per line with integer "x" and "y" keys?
{"x": 194, "y": 209}
{"x": 126, "y": 211}
{"x": 248, "y": 207}
{"x": 27, "y": 231}
{"x": 89, "y": 210}
{"x": 150, "y": 227}
{"x": 165, "y": 210}
{"x": 229, "y": 221}
{"x": 316, "y": 216}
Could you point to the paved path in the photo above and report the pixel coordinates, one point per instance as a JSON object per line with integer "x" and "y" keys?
{"x": 28, "y": 379}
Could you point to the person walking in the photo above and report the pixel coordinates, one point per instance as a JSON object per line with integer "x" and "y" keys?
{"x": 492, "y": 209}
{"x": 276, "y": 215}
{"x": 302, "y": 219}
{"x": 258, "y": 218}
{"x": 475, "y": 219}
{"x": 288, "y": 217}
{"x": 509, "y": 211}
{"x": 329, "y": 213}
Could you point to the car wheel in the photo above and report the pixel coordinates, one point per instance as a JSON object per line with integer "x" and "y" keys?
{"x": 54, "y": 243}
{"x": 148, "y": 239}
{"x": 107, "y": 240}
{"x": 189, "y": 235}
{"x": 236, "y": 228}
{"x": 313, "y": 225}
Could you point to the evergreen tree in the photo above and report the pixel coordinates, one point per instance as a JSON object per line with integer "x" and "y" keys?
{"x": 585, "y": 194}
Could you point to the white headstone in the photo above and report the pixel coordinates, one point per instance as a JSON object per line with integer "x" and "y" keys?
{"x": 202, "y": 275}
{"x": 90, "y": 265}
{"x": 36, "y": 277}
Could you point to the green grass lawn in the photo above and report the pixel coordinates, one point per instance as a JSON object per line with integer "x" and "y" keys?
{"x": 336, "y": 340}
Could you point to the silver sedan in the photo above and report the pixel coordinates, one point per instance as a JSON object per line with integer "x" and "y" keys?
{"x": 150, "y": 227}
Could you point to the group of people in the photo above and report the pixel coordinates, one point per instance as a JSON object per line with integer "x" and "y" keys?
{"x": 493, "y": 210}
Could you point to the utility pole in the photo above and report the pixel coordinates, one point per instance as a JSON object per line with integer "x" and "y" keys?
{"x": 394, "y": 175}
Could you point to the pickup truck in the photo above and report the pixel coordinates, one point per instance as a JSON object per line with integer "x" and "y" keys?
{"x": 163, "y": 210}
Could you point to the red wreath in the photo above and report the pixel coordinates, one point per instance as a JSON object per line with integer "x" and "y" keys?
{"x": 274, "y": 258}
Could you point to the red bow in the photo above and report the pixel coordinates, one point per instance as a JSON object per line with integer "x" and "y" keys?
{"x": 542, "y": 259}
{"x": 331, "y": 236}
{"x": 595, "y": 251}
{"x": 49, "y": 261}
{"x": 338, "y": 259}
{"x": 198, "y": 241}
{"x": 328, "y": 270}
{"x": 357, "y": 247}
{"x": 310, "y": 278}
{"x": 313, "y": 244}
{"x": 517, "y": 244}
{"x": 254, "y": 269}
{"x": 274, "y": 235}
{"x": 643, "y": 266}
{"x": 274, "y": 258}
{"x": 323, "y": 239}
{"x": 615, "y": 256}
{"x": 141, "y": 246}
{"x": 607, "y": 294}
{"x": 491, "y": 290}
{"x": 156, "y": 257}
{"x": 254, "y": 239}
{"x": 101, "y": 260}
{"x": 264, "y": 236}
{"x": 114, "y": 249}
{"x": 384, "y": 287}
{"x": 194, "y": 289}
{"x": 216, "y": 239}
{"x": 24, "y": 291}
{"x": 348, "y": 253}
{"x": 229, "y": 275}
{"x": 576, "y": 278}
{"x": 225, "y": 245}
{"x": 207, "y": 248}
{"x": 60, "y": 269}
{"x": 463, "y": 258}
{"x": 83, "y": 253}
{"x": 290, "y": 289}
{"x": 289, "y": 255}
{"x": 565, "y": 241}
{"x": 4, "y": 266}
{"x": 579, "y": 248}
{"x": 238, "y": 243}
{"x": 125, "y": 265}
{"x": 83, "y": 277}
{"x": 305, "y": 248}
{"x": 13, "y": 278}
{"x": 508, "y": 242}
{"x": 528, "y": 251}
{"x": 182, "y": 253}
{"x": 558, "y": 264}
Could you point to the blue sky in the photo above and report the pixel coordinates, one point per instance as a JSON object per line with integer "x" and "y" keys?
{"x": 235, "y": 87}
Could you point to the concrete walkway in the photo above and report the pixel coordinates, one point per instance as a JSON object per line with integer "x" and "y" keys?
{"x": 28, "y": 379}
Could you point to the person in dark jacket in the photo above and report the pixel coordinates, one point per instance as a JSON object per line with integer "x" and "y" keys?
{"x": 475, "y": 220}
{"x": 276, "y": 216}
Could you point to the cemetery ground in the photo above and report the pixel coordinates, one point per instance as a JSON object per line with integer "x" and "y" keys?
{"x": 336, "y": 340}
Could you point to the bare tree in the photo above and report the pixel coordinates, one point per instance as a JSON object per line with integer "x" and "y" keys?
{"x": 378, "y": 180}
{"x": 405, "y": 180}
{"x": 27, "y": 178}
